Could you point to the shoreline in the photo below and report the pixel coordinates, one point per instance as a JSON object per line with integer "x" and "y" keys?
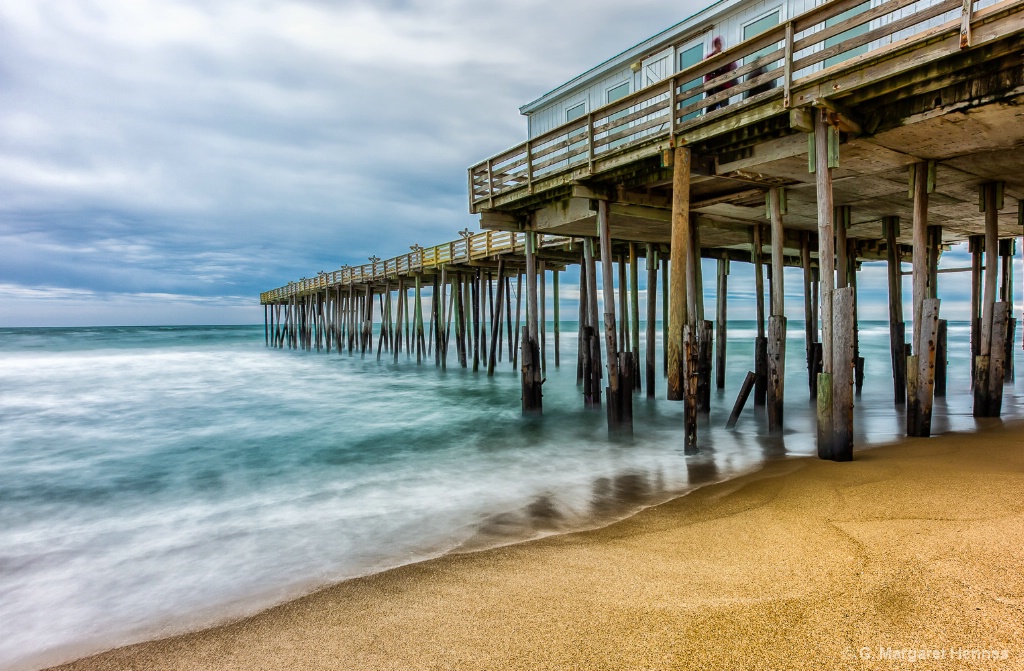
{"x": 723, "y": 565}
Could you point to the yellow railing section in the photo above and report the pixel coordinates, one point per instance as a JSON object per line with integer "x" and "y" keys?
{"x": 471, "y": 247}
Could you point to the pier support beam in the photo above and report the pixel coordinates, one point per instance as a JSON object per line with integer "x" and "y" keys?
{"x": 634, "y": 322}
{"x": 777, "y": 322}
{"x": 652, "y": 315}
{"x": 596, "y": 367}
{"x": 934, "y": 250}
{"x": 1007, "y": 250}
{"x": 830, "y": 445}
{"x": 619, "y": 417}
{"x": 810, "y": 315}
{"x": 495, "y": 319}
{"x": 554, "y": 306}
{"x": 897, "y": 326}
{"x": 679, "y": 252}
{"x": 531, "y": 370}
{"x": 722, "y": 318}
{"x": 921, "y": 365}
{"x": 761, "y": 342}
{"x": 990, "y": 362}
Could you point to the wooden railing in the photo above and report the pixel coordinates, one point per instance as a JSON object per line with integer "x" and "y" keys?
{"x": 795, "y": 55}
{"x": 473, "y": 247}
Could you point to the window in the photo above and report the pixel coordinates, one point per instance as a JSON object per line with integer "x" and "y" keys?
{"x": 753, "y": 29}
{"x": 688, "y": 58}
{"x": 847, "y": 35}
{"x": 616, "y": 92}
{"x": 575, "y": 112}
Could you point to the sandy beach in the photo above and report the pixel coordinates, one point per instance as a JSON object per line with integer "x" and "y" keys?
{"x": 908, "y": 557}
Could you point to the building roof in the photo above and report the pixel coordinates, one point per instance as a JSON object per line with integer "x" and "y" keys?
{"x": 702, "y": 19}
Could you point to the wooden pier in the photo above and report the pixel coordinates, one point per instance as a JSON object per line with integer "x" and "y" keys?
{"x": 890, "y": 134}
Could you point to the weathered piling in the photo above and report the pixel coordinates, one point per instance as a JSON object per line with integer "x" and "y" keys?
{"x": 614, "y": 393}
{"x": 810, "y": 314}
{"x": 721, "y": 321}
{"x": 926, "y": 310}
{"x": 652, "y": 307}
{"x": 556, "y": 322}
{"x": 531, "y": 370}
{"x": 826, "y": 264}
{"x": 761, "y": 341}
{"x": 597, "y": 368}
{"x": 897, "y": 327}
{"x": 676, "y": 289}
{"x": 989, "y": 369}
{"x": 634, "y": 322}
{"x": 496, "y": 321}
{"x": 776, "y": 347}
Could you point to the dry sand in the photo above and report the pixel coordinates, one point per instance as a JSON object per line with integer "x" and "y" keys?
{"x": 803, "y": 565}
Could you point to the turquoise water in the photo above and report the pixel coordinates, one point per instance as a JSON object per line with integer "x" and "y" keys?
{"x": 154, "y": 480}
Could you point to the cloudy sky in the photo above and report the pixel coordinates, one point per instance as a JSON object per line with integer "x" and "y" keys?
{"x": 163, "y": 162}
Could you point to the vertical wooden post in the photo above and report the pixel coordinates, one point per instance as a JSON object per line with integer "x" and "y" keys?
{"x": 976, "y": 243}
{"x": 634, "y": 300}
{"x": 531, "y": 371}
{"x": 496, "y": 319}
{"x": 777, "y": 323}
{"x": 664, "y": 316}
{"x": 810, "y": 312}
{"x": 934, "y": 251}
{"x": 897, "y": 327}
{"x": 556, "y": 323}
{"x": 581, "y": 323}
{"x": 826, "y": 264}
{"x": 652, "y": 315}
{"x": 418, "y": 325}
{"x": 597, "y": 368}
{"x": 1006, "y": 252}
{"x": 542, "y": 309}
{"x": 842, "y": 375}
{"x": 760, "y": 342}
{"x": 926, "y": 312}
{"x": 679, "y": 253}
{"x": 623, "y": 296}
{"x": 519, "y": 319}
{"x": 616, "y": 419}
{"x": 990, "y": 361}
{"x": 722, "y": 318}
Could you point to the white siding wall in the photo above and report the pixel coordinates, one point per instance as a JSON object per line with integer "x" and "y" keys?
{"x": 730, "y": 29}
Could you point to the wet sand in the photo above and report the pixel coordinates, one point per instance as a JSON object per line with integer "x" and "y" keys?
{"x": 913, "y": 551}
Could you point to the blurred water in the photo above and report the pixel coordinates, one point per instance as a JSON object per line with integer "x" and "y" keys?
{"x": 154, "y": 480}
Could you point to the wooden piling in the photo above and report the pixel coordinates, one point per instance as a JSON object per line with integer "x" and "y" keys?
{"x": 897, "y": 327}
{"x": 613, "y": 393}
{"x": 984, "y": 386}
{"x": 826, "y": 264}
{"x": 721, "y": 318}
{"x": 556, "y": 323}
{"x": 975, "y": 244}
{"x": 679, "y": 252}
{"x": 634, "y": 301}
{"x": 741, "y": 398}
{"x": 919, "y": 406}
{"x": 652, "y": 315}
{"x": 777, "y": 323}
{"x": 531, "y": 370}
{"x": 597, "y": 368}
{"x": 542, "y": 309}
{"x": 496, "y": 319}
{"x": 941, "y": 358}
{"x": 705, "y": 354}
{"x": 761, "y": 341}
{"x": 810, "y": 312}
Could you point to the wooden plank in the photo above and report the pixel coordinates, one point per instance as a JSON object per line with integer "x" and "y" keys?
{"x": 741, "y": 399}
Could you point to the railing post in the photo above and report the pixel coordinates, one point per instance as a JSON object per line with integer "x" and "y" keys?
{"x": 490, "y": 183}
{"x": 529, "y": 166}
{"x": 965, "y": 23}
{"x": 788, "y": 65}
{"x": 590, "y": 142}
{"x": 672, "y": 110}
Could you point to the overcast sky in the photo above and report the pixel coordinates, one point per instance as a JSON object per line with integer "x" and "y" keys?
{"x": 163, "y": 162}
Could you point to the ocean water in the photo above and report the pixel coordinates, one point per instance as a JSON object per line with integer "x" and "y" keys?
{"x": 155, "y": 480}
